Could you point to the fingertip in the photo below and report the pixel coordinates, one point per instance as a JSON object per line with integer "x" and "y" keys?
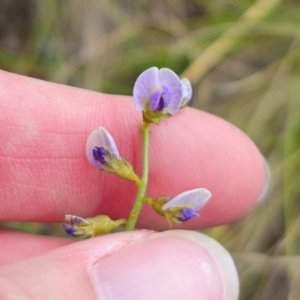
{"x": 169, "y": 265}
{"x": 222, "y": 258}
{"x": 267, "y": 180}
{"x": 131, "y": 265}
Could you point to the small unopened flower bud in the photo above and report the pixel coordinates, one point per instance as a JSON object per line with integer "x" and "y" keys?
{"x": 90, "y": 227}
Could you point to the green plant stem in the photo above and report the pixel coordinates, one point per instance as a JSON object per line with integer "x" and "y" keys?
{"x": 143, "y": 186}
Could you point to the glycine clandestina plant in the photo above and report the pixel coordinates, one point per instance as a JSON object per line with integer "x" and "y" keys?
{"x": 159, "y": 94}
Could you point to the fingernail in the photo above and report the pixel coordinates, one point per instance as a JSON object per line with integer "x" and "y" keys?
{"x": 165, "y": 266}
{"x": 265, "y": 192}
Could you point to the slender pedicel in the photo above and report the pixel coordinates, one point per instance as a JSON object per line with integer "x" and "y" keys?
{"x": 143, "y": 187}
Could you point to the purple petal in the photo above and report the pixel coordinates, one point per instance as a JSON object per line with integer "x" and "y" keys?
{"x": 99, "y": 139}
{"x": 187, "y": 213}
{"x": 187, "y": 89}
{"x": 161, "y": 104}
{"x": 160, "y": 99}
{"x": 154, "y": 100}
{"x": 169, "y": 79}
{"x": 77, "y": 220}
{"x": 145, "y": 85}
{"x": 100, "y": 154}
{"x": 108, "y": 142}
{"x": 72, "y": 230}
{"x": 93, "y": 140}
{"x": 194, "y": 199}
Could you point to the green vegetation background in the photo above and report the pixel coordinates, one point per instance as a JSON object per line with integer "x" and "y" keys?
{"x": 243, "y": 58}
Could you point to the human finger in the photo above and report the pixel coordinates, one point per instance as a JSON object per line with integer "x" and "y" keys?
{"x": 16, "y": 245}
{"x": 135, "y": 265}
{"x": 44, "y": 172}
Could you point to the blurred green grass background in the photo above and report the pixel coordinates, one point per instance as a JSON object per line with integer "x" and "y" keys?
{"x": 243, "y": 58}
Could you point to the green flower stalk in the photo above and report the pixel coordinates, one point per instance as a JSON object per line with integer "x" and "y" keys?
{"x": 144, "y": 182}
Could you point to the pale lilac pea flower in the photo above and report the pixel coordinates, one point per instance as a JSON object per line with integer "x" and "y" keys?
{"x": 101, "y": 149}
{"x": 103, "y": 154}
{"x": 184, "y": 206}
{"x": 158, "y": 92}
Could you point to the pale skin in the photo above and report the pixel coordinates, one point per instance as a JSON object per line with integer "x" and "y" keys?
{"x": 44, "y": 175}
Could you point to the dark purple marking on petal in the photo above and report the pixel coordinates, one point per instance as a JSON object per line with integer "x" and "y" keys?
{"x": 167, "y": 95}
{"x": 155, "y": 100}
{"x": 160, "y": 99}
{"x": 161, "y": 104}
{"x": 70, "y": 229}
{"x": 78, "y": 220}
{"x": 169, "y": 79}
{"x": 99, "y": 154}
{"x": 187, "y": 213}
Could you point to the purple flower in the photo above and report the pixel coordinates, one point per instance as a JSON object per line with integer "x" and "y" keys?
{"x": 184, "y": 206}
{"x": 101, "y": 149}
{"x": 158, "y": 93}
{"x": 194, "y": 199}
{"x": 103, "y": 154}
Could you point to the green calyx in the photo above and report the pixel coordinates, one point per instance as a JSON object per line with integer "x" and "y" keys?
{"x": 150, "y": 116}
{"x": 122, "y": 168}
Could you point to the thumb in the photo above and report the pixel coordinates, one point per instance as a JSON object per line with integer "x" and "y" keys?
{"x": 133, "y": 265}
